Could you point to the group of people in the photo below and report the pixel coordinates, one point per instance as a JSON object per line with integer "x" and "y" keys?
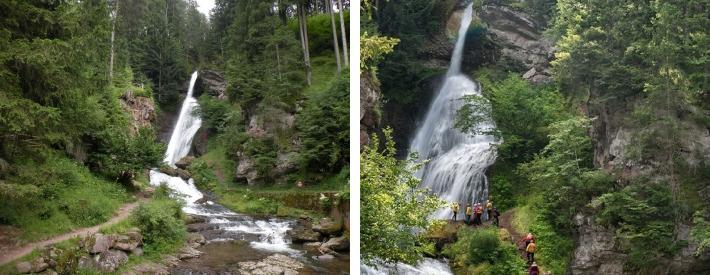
{"x": 476, "y": 211}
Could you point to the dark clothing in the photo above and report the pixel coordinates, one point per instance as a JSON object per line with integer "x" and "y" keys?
{"x": 490, "y": 214}
{"x": 531, "y": 257}
{"x": 534, "y": 270}
{"x": 468, "y": 219}
{"x": 455, "y": 212}
{"x": 478, "y": 219}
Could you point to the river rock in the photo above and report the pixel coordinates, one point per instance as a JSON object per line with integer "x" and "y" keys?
{"x": 188, "y": 252}
{"x": 312, "y": 246}
{"x": 276, "y": 264}
{"x": 197, "y": 227}
{"x": 185, "y": 175}
{"x": 173, "y": 172}
{"x": 336, "y": 244}
{"x": 23, "y": 267}
{"x": 170, "y": 260}
{"x": 86, "y": 262}
{"x": 39, "y": 265}
{"x": 196, "y": 238}
{"x": 98, "y": 243}
{"x": 183, "y": 163}
{"x": 148, "y": 268}
{"x": 303, "y": 232}
{"x": 190, "y": 219}
{"x": 328, "y": 226}
{"x": 110, "y": 260}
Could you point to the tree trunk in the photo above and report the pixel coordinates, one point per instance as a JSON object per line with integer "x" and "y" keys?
{"x": 278, "y": 61}
{"x": 329, "y": 8}
{"x": 343, "y": 33}
{"x": 303, "y": 30}
{"x": 113, "y": 35}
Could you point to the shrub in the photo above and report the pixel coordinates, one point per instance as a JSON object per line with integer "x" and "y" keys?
{"x": 483, "y": 251}
{"x": 160, "y": 221}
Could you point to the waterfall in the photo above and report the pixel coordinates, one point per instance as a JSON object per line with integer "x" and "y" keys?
{"x": 185, "y": 128}
{"x": 262, "y": 234}
{"x": 457, "y": 161}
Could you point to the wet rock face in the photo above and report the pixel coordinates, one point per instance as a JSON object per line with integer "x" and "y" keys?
{"x": 369, "y": 101}
{"x": 276, "y": 264}
{"x": 303, "y": 232}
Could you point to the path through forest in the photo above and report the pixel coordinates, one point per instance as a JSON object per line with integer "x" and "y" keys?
{"x": 14, "y": 253}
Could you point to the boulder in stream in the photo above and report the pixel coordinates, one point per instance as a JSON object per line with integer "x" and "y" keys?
{"x": 183, "y": 163}
{"x": 276, "y": 264}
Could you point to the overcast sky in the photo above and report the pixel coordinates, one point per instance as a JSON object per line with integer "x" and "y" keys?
{"x": 204, "y": 6}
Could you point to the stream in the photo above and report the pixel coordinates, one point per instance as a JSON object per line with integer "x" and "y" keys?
{"x": 231, "y": 237}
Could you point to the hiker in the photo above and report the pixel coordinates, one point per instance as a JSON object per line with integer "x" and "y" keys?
{"x": 469, "y": 211}
{"x": 496, "y": 215}
{"x": 455, "y": 209}
{"x": 534, "y": 270}
{"x": 479, "y": 213}
{"x": 530, "y": 250}
{"x": 489, "y": 209}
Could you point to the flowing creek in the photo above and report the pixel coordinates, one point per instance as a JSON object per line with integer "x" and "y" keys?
{"x": 457, "y": 161}
{"x": 231, "y": 237}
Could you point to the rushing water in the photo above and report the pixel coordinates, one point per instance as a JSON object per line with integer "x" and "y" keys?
{"x": 265, "y": 235}
{"x": 457, "y": 161}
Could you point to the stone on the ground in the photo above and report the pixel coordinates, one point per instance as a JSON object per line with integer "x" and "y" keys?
{"x": 98, "y": 243}
{"x": 303, "y": 234}
{"x": 125, "y": 243}
{"x": 336, "y": 244}
{"x": 23, "y": 267}
{"x": 86, "y": 262}
{"x": 196, "y": 238}
{"x": 276, "y": 264}
{"x": 137, "y": 251}
{"x": 188, "y": 252}
{"x": 328, "y": 226}
{"x": 39, "y": 265}
{"x": 169, "y": 171}
{"x": 197, "y": 227}
{"x": 109, "y": 261}
{"x": 185, "y": 162}
{"x": 170, "y": 260}
{"x": 150, "y": 268}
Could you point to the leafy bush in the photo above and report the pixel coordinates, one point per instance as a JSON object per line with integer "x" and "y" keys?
{"x": 120, "y": 156}
{"x": 217, "y": 114}
{"x": 483, "y": 251}
{"x": 203, "y": 174}
{"x": 160, "y": 220}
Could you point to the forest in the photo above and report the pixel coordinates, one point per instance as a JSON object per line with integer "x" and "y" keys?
{"x": 91, "y": 91}
{"x": 601, "y": 122}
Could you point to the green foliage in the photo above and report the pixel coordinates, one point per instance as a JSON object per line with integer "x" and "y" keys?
{"x": 373, "y": 48}
{"x": 483, "y": 251}
{"x": 320, "y": 32}
{"x": 203, "y": 175}
{"x": 217, "y": 114}
{"x": 701, "y": 231}
{"x": 160, "y": 220}
{"x": 644, "y": 215}
{"x": 121, "y": 156}
{"x": 391, "y": 205}
{"x": 325, "y": 142}
{"x": 56, "y": 195}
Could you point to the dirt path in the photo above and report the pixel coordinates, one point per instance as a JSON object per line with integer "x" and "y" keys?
{"x": 17, "y": 252}
{"x": 506, "y": 221}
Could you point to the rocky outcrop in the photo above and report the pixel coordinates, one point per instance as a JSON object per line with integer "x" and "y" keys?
{"x": 337, "y": 244}
{"x": 595, "y": 252}
{"x": 141, "y": 110}
{"x": 185, "y": 162}
{"x": 109, "y": 261}
{"x": 212, "y": 83}
{"x": 276, "y": 264}
{"x": 302, "y": 232}
{"x": 369, "y": 106}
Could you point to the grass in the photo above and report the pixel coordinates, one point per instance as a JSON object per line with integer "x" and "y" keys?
{"x": 69, "y": 197}
{"x": 324, "y": 71}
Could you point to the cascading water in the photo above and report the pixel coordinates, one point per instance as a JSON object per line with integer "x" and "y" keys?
{"x": 262, "y": 234}
{"x": 457, "y": 161}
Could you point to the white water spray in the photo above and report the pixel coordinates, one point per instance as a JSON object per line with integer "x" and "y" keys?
{"x": 185, "y": 128}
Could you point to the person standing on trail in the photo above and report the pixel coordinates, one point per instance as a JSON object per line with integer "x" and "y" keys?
{"x": 496, "y": 214}
{"x": 479, "y": 213}
{"x": 534, "y": 270}
{"x": 469, "y": 211}
{"x": 455, "y": 209}
{"x": 530, "y": 250}
{"x": 489, "y": 209}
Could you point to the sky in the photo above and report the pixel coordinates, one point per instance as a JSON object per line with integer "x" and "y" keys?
{"x": 204, "y": 6}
